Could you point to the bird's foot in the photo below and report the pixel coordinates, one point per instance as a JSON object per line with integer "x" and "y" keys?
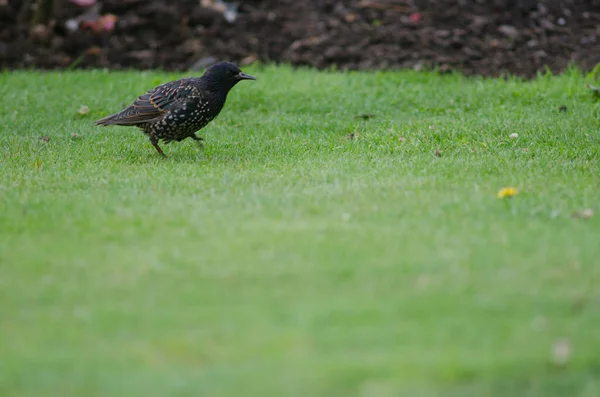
{"x": 198, "y": 139}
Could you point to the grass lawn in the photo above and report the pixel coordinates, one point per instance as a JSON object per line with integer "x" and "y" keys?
{"x": 287, "y": 259}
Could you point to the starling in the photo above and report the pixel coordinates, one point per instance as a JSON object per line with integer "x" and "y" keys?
{"x": 176, "y": 110}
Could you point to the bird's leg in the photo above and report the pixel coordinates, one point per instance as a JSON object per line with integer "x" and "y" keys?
{"x": 154, "y": 143}
{"x": 159, "y": 150}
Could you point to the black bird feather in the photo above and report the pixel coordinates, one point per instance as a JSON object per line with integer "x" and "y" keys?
{"x": 177, "y": 110}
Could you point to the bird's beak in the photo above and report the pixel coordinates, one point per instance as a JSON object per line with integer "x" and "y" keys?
{"x": 244, "y": 76}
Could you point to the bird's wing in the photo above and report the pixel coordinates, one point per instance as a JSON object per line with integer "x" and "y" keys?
{"x": 168, "y": 96}
{"x": 152, "y": 105}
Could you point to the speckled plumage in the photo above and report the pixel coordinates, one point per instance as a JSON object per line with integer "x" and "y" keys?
{"x": 177, "y": 110}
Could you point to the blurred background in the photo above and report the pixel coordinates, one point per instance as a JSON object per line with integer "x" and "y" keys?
{"x": 484, "y": 37}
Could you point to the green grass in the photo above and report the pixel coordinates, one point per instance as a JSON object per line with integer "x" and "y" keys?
{"x": 284, "y": 259}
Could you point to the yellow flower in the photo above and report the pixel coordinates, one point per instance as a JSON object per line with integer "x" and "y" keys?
{"x": 507, "y": 192}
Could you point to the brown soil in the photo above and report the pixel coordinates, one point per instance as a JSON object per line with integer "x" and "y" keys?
{"x": 485, "y": 37}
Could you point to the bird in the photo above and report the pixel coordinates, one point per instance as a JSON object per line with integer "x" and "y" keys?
{"x": 178, "y": 109}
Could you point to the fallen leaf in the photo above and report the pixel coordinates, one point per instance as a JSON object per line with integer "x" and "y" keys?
{"x": 437, "y": 153}
{"x": 83, "y": 110}
{"x": 586, "y": 213}
{"x": 561, "y": 351}
{"x": 75, "y": 135}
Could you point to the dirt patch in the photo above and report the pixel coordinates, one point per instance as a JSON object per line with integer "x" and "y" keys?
{"x": 485, "y": 37}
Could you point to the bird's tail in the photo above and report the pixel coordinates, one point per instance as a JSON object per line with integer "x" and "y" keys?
{"x": 130, "y": 116}
{"x": 108, "y": 120}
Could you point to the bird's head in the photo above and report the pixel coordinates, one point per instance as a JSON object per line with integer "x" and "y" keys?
{"x": 225, "y": 75}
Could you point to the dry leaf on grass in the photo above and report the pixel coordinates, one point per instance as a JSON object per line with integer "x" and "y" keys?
{"x": 83, "y": 110}
{"x": 586, "y": 213}
{"x": 561, "y": 351}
